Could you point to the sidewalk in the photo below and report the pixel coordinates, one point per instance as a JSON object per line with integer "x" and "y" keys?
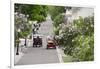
{"x": 59, "y": 52}
{"x": 17, "y": 57}
{"x": 22, "y": 51}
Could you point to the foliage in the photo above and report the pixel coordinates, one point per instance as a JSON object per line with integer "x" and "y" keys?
{"x": 78, "y": 40}
{"x": 56, "y": 31}
{"x": 35, "y": 12}
{"x": 58, "y": 20}
{"x": 55, "y": 11}
{"x": 84, "y": 48}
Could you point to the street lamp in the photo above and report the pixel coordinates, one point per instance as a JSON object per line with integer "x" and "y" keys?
{"x": 25, "y": 19}
{"x": 17, "y": 53}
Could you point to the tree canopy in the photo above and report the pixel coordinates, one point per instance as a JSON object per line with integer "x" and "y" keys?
{"x": 55, "y": 11}
{"x": 35, "y": 12}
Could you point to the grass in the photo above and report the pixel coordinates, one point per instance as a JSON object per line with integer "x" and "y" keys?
{"x": 67, "y": 59}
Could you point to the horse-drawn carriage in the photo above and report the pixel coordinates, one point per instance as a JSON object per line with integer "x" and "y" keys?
{"x": 37, "y": 40}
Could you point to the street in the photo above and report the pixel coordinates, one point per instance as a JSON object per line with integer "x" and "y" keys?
{"x": 68, "y": 30}
{"x": 40, "y": 55}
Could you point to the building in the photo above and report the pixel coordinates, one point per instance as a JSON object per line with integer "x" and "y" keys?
{"x": 81, "y": 11}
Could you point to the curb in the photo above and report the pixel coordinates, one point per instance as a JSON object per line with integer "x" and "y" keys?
{"x": 59, "y": 55}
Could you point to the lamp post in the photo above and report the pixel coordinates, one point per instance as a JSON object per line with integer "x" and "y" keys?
{"x": 25, "y": 19}
{"x": 17, "y": 53}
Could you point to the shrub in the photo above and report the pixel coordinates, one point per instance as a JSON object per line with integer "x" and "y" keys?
{"x": 79, "y": 41}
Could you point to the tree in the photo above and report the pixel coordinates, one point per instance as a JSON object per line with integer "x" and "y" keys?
{"x": 55, "y": 11}
{"x": 59, "y": 19}
{"x": 35, "y": 12}
{"x": 79, "y": 42}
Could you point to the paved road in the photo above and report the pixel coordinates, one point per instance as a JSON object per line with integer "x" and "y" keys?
{"x": 41, "y": 55}
{"x": 38, "y": 56}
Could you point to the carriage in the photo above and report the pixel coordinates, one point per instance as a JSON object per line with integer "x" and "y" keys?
{"x": 37, "y": 40}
